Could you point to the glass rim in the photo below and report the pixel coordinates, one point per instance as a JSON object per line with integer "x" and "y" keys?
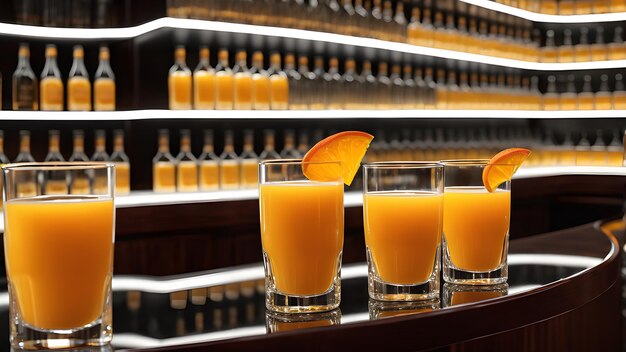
{"x": 402, "y": 165}
{"x": 58, "y": 165}
{"x": 295, "y": 162}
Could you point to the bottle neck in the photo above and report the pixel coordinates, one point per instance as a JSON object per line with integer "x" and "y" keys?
{"x": 185, "y": 145}
{"x": 25, "y": 144}
{"x": 53, "y": 146}
{"x": 79, "y": 144}
{"x": 208, "y": 145}
{"x": 269, "y": 143}
{"x": 164, "y": 144}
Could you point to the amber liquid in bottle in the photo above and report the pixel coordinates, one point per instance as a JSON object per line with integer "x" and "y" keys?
{"x": 78, "y": 84}
{"x": 230, "y": 173}
{"x": 279, "y": 85}
{"x": 224, "y": 94}
{"x": 243, "y": 83}
{"x": 186, "y": 165}
{"x": 122, "y": 164}
{"x": 79, "y": 182}
{"x": 164, "y": 166}
{"x": 586, "y": 97}
{"x": 104, "y": 84}
{"x": 51, "y": 85}
{"x": 260, "y": 83}
{"x": 551, "y": 98}
{"x": 209, "y": 164}
{"x": 204, "y": 83}
{"x": 603, "y": 99}
{"x": 179, "y": 82}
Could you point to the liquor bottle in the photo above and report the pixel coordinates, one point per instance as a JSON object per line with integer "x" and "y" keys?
{"x": 599, "y": 150}
{"x": 351, "y": 85}
{"x": 289, "y": 149}
{"x": 79, "y": 182}
{"x": 332, "y": 85}
{"x": 383, "y": 84}
{"x": 24, "y": 82}
{"x": 377, "y": 25}
{"x": 362, "y": 19}
{"x": 225, "y": 82}
{"x": 303, "y": 142}
{"x": 186, "y": 165}
{"x": 549, "y": 51}
{"x": 566, "y": 51}
{"x": 388, "y": 23}
{"x": 318, "y": 91}
{"x": 551, "y": 97}
{"x": 269, "y": 151}
{"x": 463, "y": 101}
{"x": 535, "y": 94}
{"x": 27, "y": 188}
{"x": 583, "y": 151}
{"x": 603, "y": 99}
{"x": 349, "y": 25}
{"x": 416, "y": 32}
{"x": 279, "y": 84}
{"x": 452, "y": 91}
{"x": 4, "y": 160}
{"x": 586, "y": 96}
{"x": 307, "y": 83}
{"x": 410, "y": 89}
{"x": 78, "y": 84}
{"x": 204, "y": 83}
{"x": 397, "y": 87}
{"x": 582, "y": 50}
{"x": 230, "y": 173}
{"x": 179, "y": 82}
{"x": 243, "y": 83}
{"x": 51, "y": 85}
{"x": 617, "y": 49}
{"x": 439, "y": 31}
{"x": 421, "y": 89}
{"x": 430, "y": 100}
{"x": 296, "y": 92}
{"x": 598, "y": 49}
{"x": 164, "y": 166}
{"x": 122, "y": 164}
{"x": 567, "y": 152}
{"x": 568, "y": 99}
{"x": 371, "y": 86}
{"x": 209, "y": 164}
{"x": 100, "y": 183}
{"x": 400, "y": 23}
{"x": 55, "y": 181}
{"x": 619, "y": 93}
{"x": 615, "y": 150}
{"x": 249, "y": 162}
{"x": 441, "y": 92}
{"x": 104, "y": 83}
{"x": 260, "y": 83}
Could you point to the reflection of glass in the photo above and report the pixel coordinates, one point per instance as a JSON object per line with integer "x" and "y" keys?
{"x": 302, "y": 236}
{"x": 453, "y": 295}
{"x": 277, "y": 322}
{"x": 403, "y": 215}
{"x": 71, "y": 241}
{"x": 382, "y": 310}
{"x": 475, "y": 226}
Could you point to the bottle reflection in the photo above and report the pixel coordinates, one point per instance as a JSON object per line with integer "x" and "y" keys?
{"x": 453, "y": 295}
{"x": 382, "y": 310}
{"x": 277, "y": 322}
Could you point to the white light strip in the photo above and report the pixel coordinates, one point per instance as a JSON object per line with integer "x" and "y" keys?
{"x": 132, "y": 115}
{"x": 540, "y": 17}
{"x": 518, "y": 289}
{"x": 573, "y": 261}
{"x": 299, "y": 34}
{"x": 149, "y": 198}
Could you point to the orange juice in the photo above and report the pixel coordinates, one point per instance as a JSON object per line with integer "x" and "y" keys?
{"x": 279, "y": 92}
{"x": 243, "y": 91}
{"x": 104, "y": 94}
{"x": 260, "y": 92}
{"x": 164, "y": 177}
{"x": 249, "y": 173}
{"x": 229, "y": 174}
{"x": 462, "y": 297}
{"x": 179, "y": 83}
{"x": 204, "y": 90}
{"x": 225, "y": 91}
{"x": 122, "y": 178}
{"x": 71, "y": 242}
{"x": 78, "y": 94}
{"x": 403, "y": 233}
{"x": 475, "y": 226}
{"x": 187, "y": 176}
{"x": 302, "y": 234}
{"x": 209, "y": 175}
{"x": 51, "y": 93}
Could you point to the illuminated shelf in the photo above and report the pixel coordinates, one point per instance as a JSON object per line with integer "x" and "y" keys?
{"x": 371, "y": 47}
{"x": 540, "y": 17}
{"x": 132, "y": 115}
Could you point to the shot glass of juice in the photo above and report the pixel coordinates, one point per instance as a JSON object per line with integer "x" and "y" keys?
{"x": 58, "y": 249}
{"x": 302, "y": 226}
{"x": 475, "y": 225}
{"x": 403, "y": 221}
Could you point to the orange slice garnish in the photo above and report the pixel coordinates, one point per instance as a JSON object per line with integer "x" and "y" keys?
{"x": 347, "y": 147}
{"x": 502, "y": 167}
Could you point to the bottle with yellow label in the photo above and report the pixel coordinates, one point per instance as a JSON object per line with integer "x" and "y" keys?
{"x": 104, "y": 83}
{"x": 51, "y": 85}
{"x": 3, "y": 159}
{"x": 204, "y": 83}
{"x": 24, "y": 82}
{"x": 249, "y": 162}
{"x": 164, "y": 165}
{"x": 179, "y": 82}
{"x": 26, "y": 188}
{"x": 260, "y": 83}
{"x": 122, "y": 164}
{"x": 279, "y": 84}
{"x": 225, "y": 82}
{"x": 186, "y": 165}
{"x": 242, "y": 98}
{"x": 78, "y": 84}
{"x": 209, "y": 164}
{"x": 79, "y": 182}
{"x": 230, "y": 173}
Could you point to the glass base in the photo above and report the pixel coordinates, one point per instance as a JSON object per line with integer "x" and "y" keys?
{"x": 24, "y": 337}
{"x": 278, "y": 322}
{"x": 282, "y": 303}
{"x": 380, "y": 310}
{"x": 383, "y": 291}
{"x": 464, "y": 277}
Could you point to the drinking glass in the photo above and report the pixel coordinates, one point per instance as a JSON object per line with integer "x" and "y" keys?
{"x": 403, "y": 219}
{"x": 302, "y": 225}
{"x": 475, "y": 225}
{"x": 58, "y": 249}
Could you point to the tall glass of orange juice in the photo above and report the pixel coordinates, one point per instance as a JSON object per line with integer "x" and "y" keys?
{"x": 302, "y": 237}
{"x": 403, "y": 221}
{"x": 59, "y": 257}
{"x": 475, "y": 225}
